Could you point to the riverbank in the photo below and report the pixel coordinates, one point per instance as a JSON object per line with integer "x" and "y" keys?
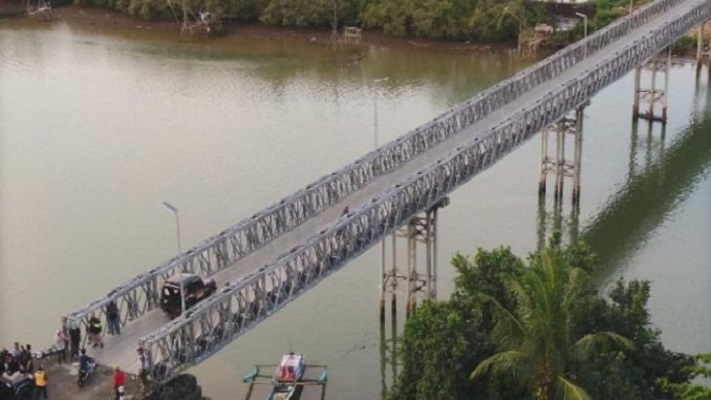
{"x": 104, "y": 18}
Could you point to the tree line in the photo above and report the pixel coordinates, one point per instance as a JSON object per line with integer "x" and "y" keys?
{"x": 539, "y": 329}
{"x": 477, "y": 20}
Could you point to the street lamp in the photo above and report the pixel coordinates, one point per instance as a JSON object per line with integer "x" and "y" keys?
{"x": 382, "y": 242}
{"x": 375, "y": 111}
{"x": 174, "y": 210}
{"x": 585, "y": 29}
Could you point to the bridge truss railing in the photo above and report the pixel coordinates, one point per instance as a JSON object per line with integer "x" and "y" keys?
{"x": 140, "y": 294}
{"x": 244, "y": 303}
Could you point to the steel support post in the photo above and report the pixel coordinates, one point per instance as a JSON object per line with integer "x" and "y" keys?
{"x": 560, "y": 159}
{"x": 653, "y": 90}
{"x": 547, "y": 164}
{"x": 388, "y": 355}
{"x": 637, "y": 93}
{"x": 665, "y": 95}
{"x": 569, "y": 125}
{"x": 653, "y": 95}
{"x": 700, "y": 46}
{"x": 420, "y": 234}
{"x": 577, "y": 154}
{"x": 382, "y": 280}
{"x": 433, "y": 256}
{"x": 388, "y": 278}
{"x": 393, "y": 279}
{"x": 411, "y": 234}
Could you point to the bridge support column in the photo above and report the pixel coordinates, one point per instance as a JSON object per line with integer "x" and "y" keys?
{"x": 421, "y": 230}
{"x": 653, "y": 95}
{"x": 569, "y": 125}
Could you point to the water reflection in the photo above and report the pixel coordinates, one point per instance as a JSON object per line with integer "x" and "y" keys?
{"x": 228, "y": 128}
{"x": 553, "y": 218}
{"x": 388, "y": 355}
{"x": 658, "y": 180}
{"x": 651, "y": 145}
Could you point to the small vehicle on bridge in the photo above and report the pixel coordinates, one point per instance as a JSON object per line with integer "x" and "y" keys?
{"x": 195, "y": 289}
{"x": 16, "y": 387}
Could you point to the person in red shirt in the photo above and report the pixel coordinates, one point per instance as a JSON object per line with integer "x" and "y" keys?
{"x": 119, "y": 381}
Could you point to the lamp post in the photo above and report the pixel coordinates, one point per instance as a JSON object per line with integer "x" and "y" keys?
{"x": 174, "y": 210}
{"x": 585, "y": 29}
{"x": 375, "y": 111}
{"x": 382, "y": 242}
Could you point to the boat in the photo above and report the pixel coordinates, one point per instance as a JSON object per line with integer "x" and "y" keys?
{"x": 288, "y": 379}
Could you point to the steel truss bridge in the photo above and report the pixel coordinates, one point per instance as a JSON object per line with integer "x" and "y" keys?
{"x": 269, "y": 259}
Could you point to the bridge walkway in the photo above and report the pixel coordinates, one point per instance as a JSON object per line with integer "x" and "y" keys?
{"x": 120, "y": 350}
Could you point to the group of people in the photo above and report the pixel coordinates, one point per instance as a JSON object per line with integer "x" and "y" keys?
{"x": 95, "y": 327}
{"x": 19, "y": 360}
{"x": 69, "y": 348}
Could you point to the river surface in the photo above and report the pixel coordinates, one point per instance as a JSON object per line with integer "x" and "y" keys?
{"x": 97, "y": 128}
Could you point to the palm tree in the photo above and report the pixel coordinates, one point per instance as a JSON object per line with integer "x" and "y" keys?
{"x": 535, "y": 337}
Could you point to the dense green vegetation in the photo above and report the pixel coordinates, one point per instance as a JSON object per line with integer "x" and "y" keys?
{"x": 539, "y": 330}
{"x": 483, "y": 20}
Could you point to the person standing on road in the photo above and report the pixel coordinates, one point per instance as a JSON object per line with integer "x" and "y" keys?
{"x": 95, "y": 328}
{"x": 40, "y": 383}
{"x": 119, "y": 382}
{"x": 74, "y": 341}
{"x": 113, "y": 320}
{"x": 142, "y": 367}
{"x": 60, "y": 341}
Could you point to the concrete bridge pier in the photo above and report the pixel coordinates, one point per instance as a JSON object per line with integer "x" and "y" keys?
{"x": 558, "y": 163}
{"x": 420, "y": 236}
{"x": 652, "y": 95}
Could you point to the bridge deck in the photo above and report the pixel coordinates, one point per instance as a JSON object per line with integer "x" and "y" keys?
{"x": 120, "y": 350}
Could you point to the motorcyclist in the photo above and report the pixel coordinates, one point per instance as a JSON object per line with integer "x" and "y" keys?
{"x": 83, "y": 361}
{"x": 86, "y": 367}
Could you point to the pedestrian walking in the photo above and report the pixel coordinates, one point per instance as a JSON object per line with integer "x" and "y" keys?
{"x": 113, "y": 319}
{"x": 74, "y": 341}
{"x": 60, "y": 342}
{"x": 40, "y": 383}
{"x": 119, "y": 382}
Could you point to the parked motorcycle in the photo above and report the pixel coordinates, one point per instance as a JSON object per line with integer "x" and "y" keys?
{"x": 85, "y": 374}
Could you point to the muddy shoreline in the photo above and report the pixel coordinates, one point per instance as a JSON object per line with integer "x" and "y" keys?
{"x": 105, "y": 18}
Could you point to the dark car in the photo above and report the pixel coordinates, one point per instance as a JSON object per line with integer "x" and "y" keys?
{"x": 16, "y": 387}
{"x": 195, "y": 289}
